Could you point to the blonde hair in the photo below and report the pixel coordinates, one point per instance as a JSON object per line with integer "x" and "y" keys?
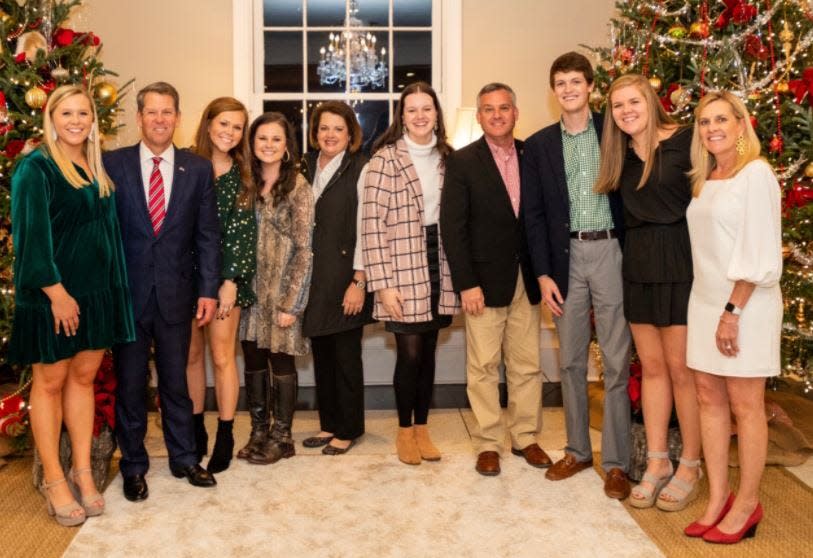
{"x": 92, "y": 146}
{"x": 614, "y": 141}
{"x": 703, "y": 162}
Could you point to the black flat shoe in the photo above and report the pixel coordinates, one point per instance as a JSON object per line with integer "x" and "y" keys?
{"x": 195, "y": 474}
{"x": 316, "y": 441}
{"x": 333, "y": 450}
{"x": 135, "y": 488}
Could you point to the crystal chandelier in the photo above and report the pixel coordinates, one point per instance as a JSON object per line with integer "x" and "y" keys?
{"x": 356, "y": 49}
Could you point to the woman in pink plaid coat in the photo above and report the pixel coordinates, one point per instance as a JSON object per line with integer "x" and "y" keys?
{"x": 403, "y": 257}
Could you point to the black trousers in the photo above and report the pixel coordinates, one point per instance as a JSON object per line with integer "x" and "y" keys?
{"x": 339, "y": 375}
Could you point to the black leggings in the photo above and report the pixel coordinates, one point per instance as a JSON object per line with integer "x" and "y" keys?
{"x": 414, "y": 375}
{"x": 282, "y": 364}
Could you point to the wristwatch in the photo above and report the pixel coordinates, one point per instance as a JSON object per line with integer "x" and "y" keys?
{"x": 360, "y": 284}
{"x": 731, "y": 309}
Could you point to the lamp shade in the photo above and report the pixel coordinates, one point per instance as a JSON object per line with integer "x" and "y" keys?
{"x": 466, "y": 128}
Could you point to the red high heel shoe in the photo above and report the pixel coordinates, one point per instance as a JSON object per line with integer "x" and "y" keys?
{"x": 714, "y": 535}
{"x": 697, "y": 529}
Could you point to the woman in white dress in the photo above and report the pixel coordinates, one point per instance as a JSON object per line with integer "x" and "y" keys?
{"x": 735, "y": 308}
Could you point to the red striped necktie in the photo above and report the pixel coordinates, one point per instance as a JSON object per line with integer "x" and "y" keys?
{"x": 156, "y": 203}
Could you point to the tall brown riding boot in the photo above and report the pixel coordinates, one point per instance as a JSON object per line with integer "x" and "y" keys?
{"x": 258, "y": 396}
{"x": 279, "y": 443}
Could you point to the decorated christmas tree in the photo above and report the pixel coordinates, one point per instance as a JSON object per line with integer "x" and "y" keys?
{"x": 38, "y": 53}
{"x": 762, "y": 50}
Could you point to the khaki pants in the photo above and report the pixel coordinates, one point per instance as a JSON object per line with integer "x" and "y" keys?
{"x": 509, "y": 333}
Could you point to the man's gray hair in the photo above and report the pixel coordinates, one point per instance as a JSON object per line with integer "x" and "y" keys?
{"x": 496, "y": 86}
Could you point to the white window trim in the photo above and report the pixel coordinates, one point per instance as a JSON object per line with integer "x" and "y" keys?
{"x": 447, "y": 61}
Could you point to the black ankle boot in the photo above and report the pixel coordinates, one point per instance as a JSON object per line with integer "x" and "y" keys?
{"x": 201, "y": 437}
{"x": 257, "y": 396}
{"x": 224, "y": 447}
{"x": 279, "y": 444}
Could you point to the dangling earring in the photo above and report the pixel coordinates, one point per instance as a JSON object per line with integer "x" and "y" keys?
{"x": 740, "y": 145}
{"x": 287, "y": 156}
{"x": 92, "y": 134}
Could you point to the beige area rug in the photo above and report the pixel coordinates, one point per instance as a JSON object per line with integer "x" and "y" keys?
{"x": 368, "y": 504}
{"x": 785, "y": 530}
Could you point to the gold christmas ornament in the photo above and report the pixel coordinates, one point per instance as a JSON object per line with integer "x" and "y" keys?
{"x": 680, "y": 97}
{"x": 786, "y": 35}
{"x": 656, "y": 83}
{"x": 754, "y": 95}
{"x": 785, "y": 251}
{"x": 782, "y": 87}
{"x": 801, "y": 319}
{"x": 36, "y": 97}
{"x": 105, "y": 93}
{"x": 699, "y": 29}
{"x": 809, "y": 170}
{"x": 677, "y": 31}
{"x": 29, "y": 43}
{"x": 596, "y": 97}
{"x": 4, "y": 17}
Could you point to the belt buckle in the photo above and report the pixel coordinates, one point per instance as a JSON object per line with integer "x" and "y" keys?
{"x": 579, "y": 236}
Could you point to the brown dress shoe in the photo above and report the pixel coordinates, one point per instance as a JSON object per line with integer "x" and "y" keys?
{"x": 616, "y": 484}
{"x": 567, "y": 467}
{"x": 534, "y": 455}
{"x": 488, "y": 463}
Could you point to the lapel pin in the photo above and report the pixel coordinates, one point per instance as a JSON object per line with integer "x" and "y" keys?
{"x": 181, "y": 169}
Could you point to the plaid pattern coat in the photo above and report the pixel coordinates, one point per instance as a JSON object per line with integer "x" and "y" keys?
{"x": 394, "y": 241}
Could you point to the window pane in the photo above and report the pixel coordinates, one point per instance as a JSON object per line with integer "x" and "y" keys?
{"x": 292, "y": 111}
{"x": 374, "y": 117}
{"x": 316, "y": 41}
{"x": 374, "y": 13}
{"x": 323, "y": 13}
{"x": 412, "y": 13}
{"x": 282, "y": 13}
{"x": 412, "y": 58}
{"x": 283, "y": 61}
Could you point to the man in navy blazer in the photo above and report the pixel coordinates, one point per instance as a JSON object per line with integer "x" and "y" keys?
{"x": 482, "y": 231}
{"x": 168, "y": 214}
{"x": 574, "y": 237}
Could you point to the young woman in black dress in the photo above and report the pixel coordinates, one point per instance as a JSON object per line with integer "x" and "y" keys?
{"x": 646, "y": 155}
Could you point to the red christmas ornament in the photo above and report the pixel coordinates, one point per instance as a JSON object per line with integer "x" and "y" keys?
{"x": 20, "y": 58}
{"x": 776, "y": 144}
{"x": 89, "y": 39}
{"x": 64, "y": 37}
{"x": 12, "y": 412}
{"x": 802, "y": 87}
{"x": 666, "y": 100}
{"x": 755, "y": 48}
{"x": 13, "y": 148}
{"x": 754, "y": 121}
{"x": 798, "y": 196}
{"x": 743, "y": 13}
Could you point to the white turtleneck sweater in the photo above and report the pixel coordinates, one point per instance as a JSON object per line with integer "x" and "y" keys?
{"x": 427, "y": 165}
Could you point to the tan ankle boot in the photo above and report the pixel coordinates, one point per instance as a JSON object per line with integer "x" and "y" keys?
{"x": 407, "y": 447}
{"x": 426, "y": 448}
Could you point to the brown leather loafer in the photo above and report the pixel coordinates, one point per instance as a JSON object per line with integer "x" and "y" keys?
{"x": 488, "y": 463}
{"x": 534, "y": 456}
{"x": 567, "y": 467}
{"x": 616, "y": 484}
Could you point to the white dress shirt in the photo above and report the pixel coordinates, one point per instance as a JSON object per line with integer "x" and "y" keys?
{"x": 322, "y": 176}
{"x": 167, "y": 167}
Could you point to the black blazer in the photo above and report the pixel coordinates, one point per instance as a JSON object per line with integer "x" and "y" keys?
{"x": 334, "y": 241}
{"x": 182, "y": 263}
{"x": 483, "y": 239}
{"x": 546, "y": 205}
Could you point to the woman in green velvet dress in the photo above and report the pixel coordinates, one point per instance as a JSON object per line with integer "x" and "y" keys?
{"x": 71, "y": 296}
{"x": 222, "y": 138}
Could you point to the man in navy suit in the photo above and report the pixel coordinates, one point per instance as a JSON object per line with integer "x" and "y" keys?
{"x": 168, "y": 214}
{"x": 574, "y": 237}
{"x": 481, "y": 225}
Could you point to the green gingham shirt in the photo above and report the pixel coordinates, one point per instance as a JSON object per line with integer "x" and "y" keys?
{"x": 588, "y": 211}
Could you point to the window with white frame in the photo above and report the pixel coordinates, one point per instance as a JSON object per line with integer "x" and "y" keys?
{"x": 299, "y": 56}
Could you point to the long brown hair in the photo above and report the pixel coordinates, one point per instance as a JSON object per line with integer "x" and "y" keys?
{"x": 240, "y": 153}
{"x": 396, "y": 129}
{"x": 704, "y": 162}
{"x": 288, "y": 169}
{"x": 614, "y": 142}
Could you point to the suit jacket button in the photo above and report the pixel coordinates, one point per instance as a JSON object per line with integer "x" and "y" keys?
{"x": 344, "y": 252}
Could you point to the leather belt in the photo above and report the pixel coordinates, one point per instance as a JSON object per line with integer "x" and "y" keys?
{"x": 594, "y": 235}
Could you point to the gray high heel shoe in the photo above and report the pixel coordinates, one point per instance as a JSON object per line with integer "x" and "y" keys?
{"x": 62, "y": 514}
{"x": 643, "y": 496}
{"x": 91, "y": 503}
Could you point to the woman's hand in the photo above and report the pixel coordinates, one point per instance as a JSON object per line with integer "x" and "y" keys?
{"x": 285, "y": 320}
{"x": 226, "y": 299}
{"x": 353, "y": 300}
{"x": 727, "y": 331}
{"x": 64, "y": 308}
{"x": 391, "y": 300}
